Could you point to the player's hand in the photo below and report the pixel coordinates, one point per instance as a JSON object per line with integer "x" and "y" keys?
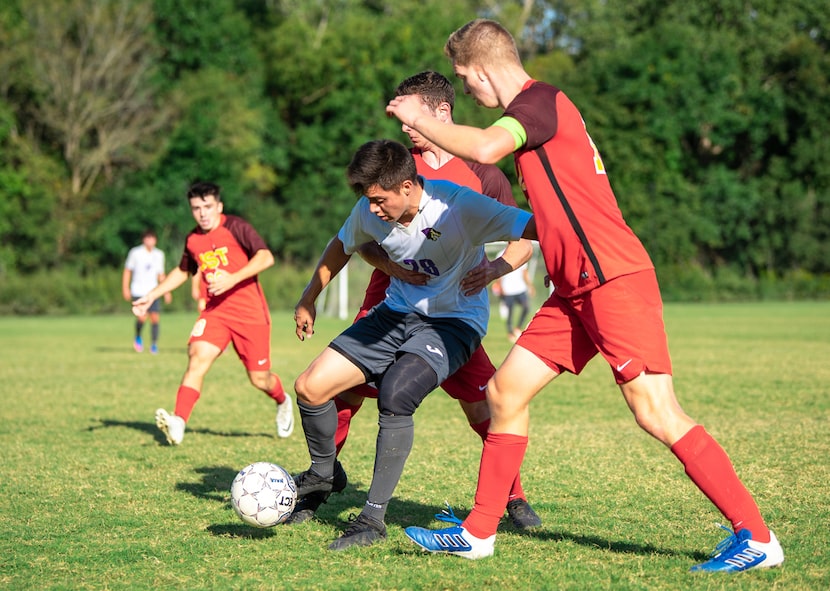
{"x": 406, "y": 108}
{"x": 220, "y": 282}
{"x": 141, "y": 305}
{"x": 407, "y": 275}
{"x": 168, "y": 298}
{"x": 480, "y": 277}
{"x": 304, "y": 316}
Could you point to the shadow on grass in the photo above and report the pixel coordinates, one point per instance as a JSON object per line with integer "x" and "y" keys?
{"x": 216, "y": 482}
{"x": 241, "y": 530}
{"x": 151, "y": 429}
{"x": 148, "y": 428}
{"x": 129, "y": 350}
{"x": 617, "y": 546}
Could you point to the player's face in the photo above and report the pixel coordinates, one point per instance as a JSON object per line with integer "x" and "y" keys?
{"x": 391, "y": 206}
{"x": 418, "y": 141}
{"x": 207, "y": 212}
{"x": 476, "y": 85}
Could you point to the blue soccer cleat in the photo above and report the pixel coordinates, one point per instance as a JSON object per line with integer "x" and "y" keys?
{"x": 739, "y": 552}
{"x": 451, "y": 540}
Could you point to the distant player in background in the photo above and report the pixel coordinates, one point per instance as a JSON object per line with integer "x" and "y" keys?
{"x": 606, "y": 299}
{"x": 515, "y": 290}
{"x": 228, "y": 254}
{"x": 143, "y": 270}
{"x": 467, "y": 385}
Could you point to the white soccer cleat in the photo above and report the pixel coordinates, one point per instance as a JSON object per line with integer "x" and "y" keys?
{"x": 171, "y": 425}
{"x": 453, "y": 540}
{"x": 285, "y": 417}
{"x": 739, "y": 552}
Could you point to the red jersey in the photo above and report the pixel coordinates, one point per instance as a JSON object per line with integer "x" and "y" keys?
{"x": 228, "y": 248}
{"x": 583, "y": 236}
{"x": 486, "y": 179}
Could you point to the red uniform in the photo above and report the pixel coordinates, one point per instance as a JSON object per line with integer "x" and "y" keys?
{"x": 606, "y": 297}
{"x": 469, "y": 382}
{"x": 240, "y": 315}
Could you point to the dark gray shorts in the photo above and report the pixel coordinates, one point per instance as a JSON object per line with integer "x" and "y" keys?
{"x": 376, "y": 340}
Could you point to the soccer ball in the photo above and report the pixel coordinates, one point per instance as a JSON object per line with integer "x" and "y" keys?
{"x": 263, "y": 494}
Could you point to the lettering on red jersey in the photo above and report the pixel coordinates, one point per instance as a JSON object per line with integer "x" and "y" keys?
{"x": 211, "y": 260}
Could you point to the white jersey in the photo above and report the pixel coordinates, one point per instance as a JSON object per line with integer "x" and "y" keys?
{"x": 146, "y": 266}
{"x": 445, "y": 240}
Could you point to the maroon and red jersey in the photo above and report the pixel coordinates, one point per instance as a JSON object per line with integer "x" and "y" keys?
{"x": 583, "y": 236}
{"x": 227, "y": 248}
{"x": 486, "y": 179}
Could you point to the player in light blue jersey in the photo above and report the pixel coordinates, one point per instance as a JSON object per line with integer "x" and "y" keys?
{"x": 418, "y": 336}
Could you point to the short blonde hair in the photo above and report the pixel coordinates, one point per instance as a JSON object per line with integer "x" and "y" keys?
{"x": 482, "y": 41}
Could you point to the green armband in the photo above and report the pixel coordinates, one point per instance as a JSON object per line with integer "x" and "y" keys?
{"x": 516, "y": 130}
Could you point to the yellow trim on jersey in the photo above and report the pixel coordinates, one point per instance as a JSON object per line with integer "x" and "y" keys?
{"x": 516, "y": 130}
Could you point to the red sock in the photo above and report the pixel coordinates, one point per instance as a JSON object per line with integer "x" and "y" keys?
{"x": 516, "y": 491}
{"x": 186, "y": 399}
{"x": 277, "y": 392}
{"x": 711, "y": 470}
{"x": 501, "y": 459}
{"x": 345, "y": 412}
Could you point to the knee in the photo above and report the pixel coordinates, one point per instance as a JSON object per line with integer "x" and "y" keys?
{"x": 656, "y": 410}
{"x": 397, "y": 404}
{"x": 497, "y": 400}
{"x": 301, "y": 388}
{"x": 306, "y": 391}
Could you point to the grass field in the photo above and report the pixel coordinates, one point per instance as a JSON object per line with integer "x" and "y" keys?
{"x": 92, "y": 498}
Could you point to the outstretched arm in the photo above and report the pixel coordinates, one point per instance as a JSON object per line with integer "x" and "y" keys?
{"x": 488, "y": 145}
{"x": 333, "y": 259}
{"x": 173, "y": 280}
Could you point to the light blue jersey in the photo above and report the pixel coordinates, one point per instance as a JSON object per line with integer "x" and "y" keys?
{"x": 445, "y": 240}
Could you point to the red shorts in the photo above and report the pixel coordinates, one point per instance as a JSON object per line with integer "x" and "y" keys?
{"x": 468, "y": 384}
{"x": 251, "y": 341}
{"x": 621, "y": 319}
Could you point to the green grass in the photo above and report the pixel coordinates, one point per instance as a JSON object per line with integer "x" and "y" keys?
{"x": 91, "y": 498}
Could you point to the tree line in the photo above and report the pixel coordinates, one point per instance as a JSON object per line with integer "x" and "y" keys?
{"x": 713, "y": 118}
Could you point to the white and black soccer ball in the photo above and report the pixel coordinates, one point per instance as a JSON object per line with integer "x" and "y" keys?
{"x": 263, "y": 494}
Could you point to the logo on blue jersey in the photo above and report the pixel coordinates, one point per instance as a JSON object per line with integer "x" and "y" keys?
{"x": 431, "y": 233}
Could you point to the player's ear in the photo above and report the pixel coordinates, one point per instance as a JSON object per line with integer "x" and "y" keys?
{"x": 444, "y": 112}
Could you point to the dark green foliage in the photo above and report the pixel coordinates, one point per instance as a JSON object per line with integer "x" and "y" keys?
{"x": 713, "y": 119}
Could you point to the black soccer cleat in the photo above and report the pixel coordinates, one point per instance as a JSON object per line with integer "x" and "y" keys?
{"x": 308, "y": 504}
{"x": 364, "y": 531}
{"x": 522, "y": 514}
{"x": 306, "y": 508}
